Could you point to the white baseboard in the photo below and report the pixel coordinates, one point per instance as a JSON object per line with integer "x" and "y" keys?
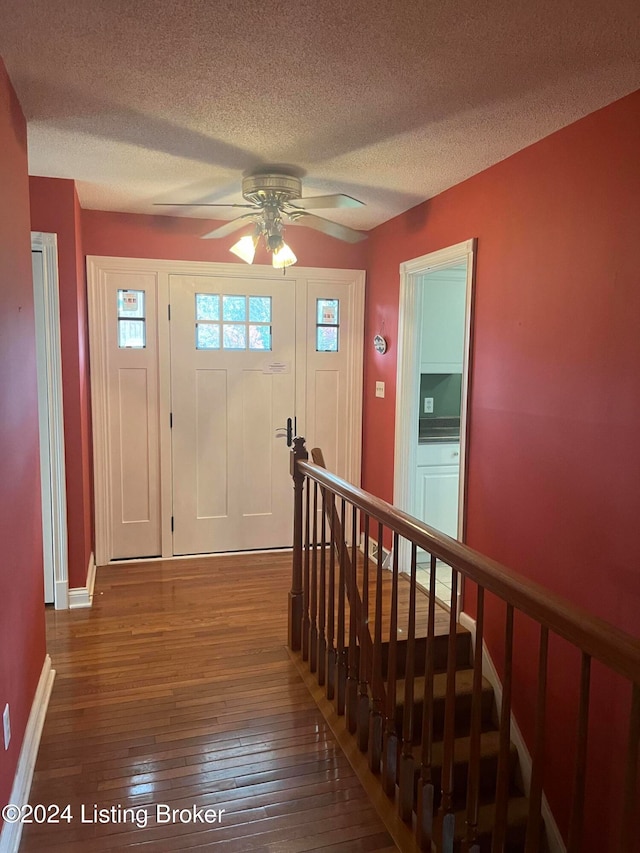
{"x": 82, "y": 596}
{"x": 139, "y": 561}
{"x": 11, "y": 832}
{"x": 556, "y": 844}
{"x": 61, "y": 595}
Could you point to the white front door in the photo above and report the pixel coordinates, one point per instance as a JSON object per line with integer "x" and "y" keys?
{"x": 232, "y": 391}
{"x": 195, "y": 370}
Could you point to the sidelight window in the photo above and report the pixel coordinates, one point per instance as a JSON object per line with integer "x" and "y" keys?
{"x": 131, "y": 319}
{"x": 327, "y": 325}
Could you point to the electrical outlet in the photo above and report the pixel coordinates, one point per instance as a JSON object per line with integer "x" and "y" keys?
{"x": 6, "y": 725}
{"x": 428, "y": 405}
{"x": 379, "y": 389}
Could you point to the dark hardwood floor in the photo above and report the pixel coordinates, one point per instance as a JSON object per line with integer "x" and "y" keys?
{"x": 176, "y": 689}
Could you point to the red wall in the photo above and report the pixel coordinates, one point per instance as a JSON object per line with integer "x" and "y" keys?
{"x": 554, "y": 456}
{"x": 130, "y": 235}
{"x": 55, "y": 208}
{"x": 22, "y": 639}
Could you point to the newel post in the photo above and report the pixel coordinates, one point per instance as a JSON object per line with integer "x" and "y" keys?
{"x": 298, "y": 453}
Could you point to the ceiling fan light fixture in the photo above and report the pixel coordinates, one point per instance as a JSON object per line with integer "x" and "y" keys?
{"x": 274, "y": 241}
{"x": 245, "y": 248}
{"x": 283, "y": 257}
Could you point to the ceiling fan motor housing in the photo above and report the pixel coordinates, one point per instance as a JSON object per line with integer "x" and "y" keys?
{"x": 271, "y": 189}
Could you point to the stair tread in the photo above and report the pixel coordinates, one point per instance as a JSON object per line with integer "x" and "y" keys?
{"x": 463, "y": 681}
{"x": 422, "y": 635}
{"x": 489, "y": 747}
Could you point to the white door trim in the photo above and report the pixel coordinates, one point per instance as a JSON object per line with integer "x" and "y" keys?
{"x": 96, "y": 268}
{"x": 50, "y": 403}
{"x": 407, "y": 397}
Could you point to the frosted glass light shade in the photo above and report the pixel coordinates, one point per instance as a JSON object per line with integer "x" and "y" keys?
{"x": 284, "y": 257}
{"x": 245, "y": 248}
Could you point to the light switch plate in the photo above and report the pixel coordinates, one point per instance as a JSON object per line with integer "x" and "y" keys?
{"x": 379, "y": 389}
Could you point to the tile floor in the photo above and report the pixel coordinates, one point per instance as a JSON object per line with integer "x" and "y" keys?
{"x": 443, "y": 580}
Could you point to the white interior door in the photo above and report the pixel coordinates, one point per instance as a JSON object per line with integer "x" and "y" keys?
{"x": 44, "y": 257}
{"x": 43, "y": 418}
{"x": 232, "y": 391}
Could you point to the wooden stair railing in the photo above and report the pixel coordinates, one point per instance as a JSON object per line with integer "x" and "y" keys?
{"x": 366, "y": 649}
{"x": 417, "y": 701}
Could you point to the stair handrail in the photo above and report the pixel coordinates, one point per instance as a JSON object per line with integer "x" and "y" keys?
{"x": 597, "y": 639}
{"x": 603, "y": 641}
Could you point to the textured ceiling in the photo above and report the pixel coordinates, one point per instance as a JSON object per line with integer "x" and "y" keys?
{"x": 390, "y": 101}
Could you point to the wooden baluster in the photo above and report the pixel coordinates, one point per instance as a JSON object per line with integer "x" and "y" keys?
{"x": 354, "y": 649}
{"x": 363, "y": 689}
{"x": 473, "y": 783}
{"x": 376, "y": 720}
{"x": 377, "y": 706}
{"x": 296, "y": 594}
{"x": 390, "y": 740}
{"x": 342, "y": 651}
{"x": 322, "y": 592}
{"x": 629, "y": 829}
{"x": 313, "y": 634}
{"x": 502, "y": 784}
{"x": 424, "y": 825}
{"x": 331, "y": 614}
{"x": 534, "y": 823}
{"x": 448, "y": 819}
{"x": 406, "y": 775}
{"x": 307, "y": 571}
{"x": 576, "y": 821}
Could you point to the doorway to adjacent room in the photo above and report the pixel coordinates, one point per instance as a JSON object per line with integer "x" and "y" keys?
{"x": 432, "y": 391}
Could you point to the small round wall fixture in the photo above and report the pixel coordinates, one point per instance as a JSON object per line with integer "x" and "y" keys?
{"x": 380, "y": 345}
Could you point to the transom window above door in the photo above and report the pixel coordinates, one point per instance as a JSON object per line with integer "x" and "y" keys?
{"x": 233, "y": 322}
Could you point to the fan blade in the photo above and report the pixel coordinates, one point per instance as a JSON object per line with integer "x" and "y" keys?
{"x": 229, "y": 227}
{"x": 333, "y": 229}
{"x": 319, "y": 201}
{"x": 196, "y": 204}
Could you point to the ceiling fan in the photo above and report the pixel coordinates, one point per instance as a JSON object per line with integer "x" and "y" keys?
{"x": 274, "y": 200}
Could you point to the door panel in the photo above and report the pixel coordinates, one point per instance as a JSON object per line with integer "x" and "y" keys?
{"x": 327, "y": 375}
{"x": 211, "y": 442}
{"x": 231, "y": 485}
{"x": 326, "y": 408}
{"x": 133, "y": 429}
{"x": 133, "y": 394}
{"x": 438, "y": 497}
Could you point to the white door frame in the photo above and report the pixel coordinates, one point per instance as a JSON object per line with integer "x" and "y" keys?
{"x": 97, "y": 267}
{"x": 49, "y": 367}
{"x": 407, "y": 394}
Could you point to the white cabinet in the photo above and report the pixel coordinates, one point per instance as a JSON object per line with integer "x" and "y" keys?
{"x": 443, "y": 313}
{"x": 437, "y": 479}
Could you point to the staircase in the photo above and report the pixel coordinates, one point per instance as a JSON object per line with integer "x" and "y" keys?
{"x": 385, "y": 749}
{"x": 518, "y": 804}
{"x": 410, "y": 684}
